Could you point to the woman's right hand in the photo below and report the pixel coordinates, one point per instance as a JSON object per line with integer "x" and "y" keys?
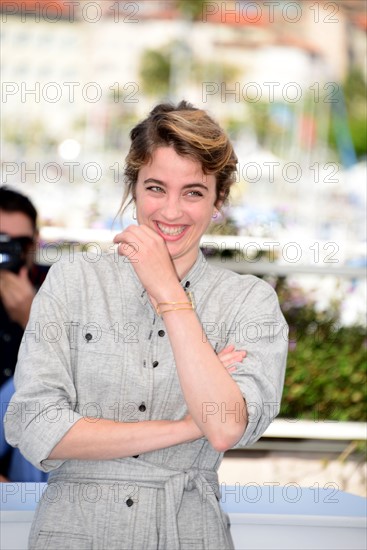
{"x": 149, "y": 256}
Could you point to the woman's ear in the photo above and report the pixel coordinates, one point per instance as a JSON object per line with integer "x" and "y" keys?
{"x": 218, "y": 205}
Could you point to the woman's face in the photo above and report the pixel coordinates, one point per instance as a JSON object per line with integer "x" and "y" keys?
{"x": 176, "y": 199}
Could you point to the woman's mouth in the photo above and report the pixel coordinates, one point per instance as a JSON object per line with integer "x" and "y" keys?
{"x": 171, "y": 232}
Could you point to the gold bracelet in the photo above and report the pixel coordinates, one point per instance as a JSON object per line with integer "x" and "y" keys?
{"x": 190, "y": 304}
{"x": 159, "y": 311}
{"x": 177, "y": 308}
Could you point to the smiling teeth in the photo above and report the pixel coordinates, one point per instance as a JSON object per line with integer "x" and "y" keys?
{"x": 171, "y": 230}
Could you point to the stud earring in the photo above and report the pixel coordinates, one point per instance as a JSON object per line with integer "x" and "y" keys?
{"x": 215, "y": 215}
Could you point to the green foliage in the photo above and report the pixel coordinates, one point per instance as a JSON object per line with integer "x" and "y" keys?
{"x": 212, "y": 71}
{"x": 192, "y": 9}
{"x": 326, "y": 370}
{"x": 155, "y": 70}
{"x": 354, "y": 91}
{"x": 158, "y": 66}
{"x": 259, "y": 119}
{"x": 355, "y": 100}
{"x": 30, "y": 135}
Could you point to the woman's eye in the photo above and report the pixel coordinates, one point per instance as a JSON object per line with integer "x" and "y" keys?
{"x": 155, "y": 188}
{"x": 195, "y": 193}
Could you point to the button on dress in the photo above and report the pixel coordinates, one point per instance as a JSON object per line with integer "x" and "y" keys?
{"x": 95, "y": 347}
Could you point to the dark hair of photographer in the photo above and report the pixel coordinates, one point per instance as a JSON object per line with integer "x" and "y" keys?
{"x": 20, "y": 278}
{"x": 14, "y": 202}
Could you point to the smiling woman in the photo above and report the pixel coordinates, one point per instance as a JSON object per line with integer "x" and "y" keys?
{"x": 176, "y": 200}
{"x": 146, "y": 416}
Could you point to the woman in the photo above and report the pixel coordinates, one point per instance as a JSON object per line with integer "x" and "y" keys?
{"x": 123, "y": 397}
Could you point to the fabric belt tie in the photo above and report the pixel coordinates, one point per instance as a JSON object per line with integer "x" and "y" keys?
{"x": 173, "y": 482}
{"x": 174, "y": 490}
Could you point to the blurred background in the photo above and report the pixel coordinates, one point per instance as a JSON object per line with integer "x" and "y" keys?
{"x": 288, "y": 82}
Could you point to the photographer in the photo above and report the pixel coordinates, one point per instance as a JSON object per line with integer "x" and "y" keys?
{"x": 20, "y": 279}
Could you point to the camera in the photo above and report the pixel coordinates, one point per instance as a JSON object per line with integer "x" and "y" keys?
{"x": 13, "y": 252}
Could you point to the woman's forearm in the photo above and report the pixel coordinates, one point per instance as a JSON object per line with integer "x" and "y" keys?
{"x": 212, "y": 396}
{"x": 104, "y": 439}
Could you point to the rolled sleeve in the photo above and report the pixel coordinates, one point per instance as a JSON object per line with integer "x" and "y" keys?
{"x": 263, "y": 333}
{"x": 42, "y": 409}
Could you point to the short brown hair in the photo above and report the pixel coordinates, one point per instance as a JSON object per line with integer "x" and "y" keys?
{"x": 192, "y": 133}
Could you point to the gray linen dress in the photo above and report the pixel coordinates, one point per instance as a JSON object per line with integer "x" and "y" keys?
{"x": 94, "y": 347}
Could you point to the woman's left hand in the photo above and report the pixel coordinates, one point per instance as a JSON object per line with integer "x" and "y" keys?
{"x": 229, "y": 355}
{"x": 149, "y": 256}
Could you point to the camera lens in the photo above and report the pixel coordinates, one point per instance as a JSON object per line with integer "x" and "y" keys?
{"x": 13, "y": 251}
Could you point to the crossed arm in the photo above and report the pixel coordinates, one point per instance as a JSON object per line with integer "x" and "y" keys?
{"x": 200, "y": 370}
{"x": 107, "y": 439}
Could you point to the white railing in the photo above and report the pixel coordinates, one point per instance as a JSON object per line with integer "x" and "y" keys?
{"x": 318, "y": 257}
{"x": 321, "y": 429}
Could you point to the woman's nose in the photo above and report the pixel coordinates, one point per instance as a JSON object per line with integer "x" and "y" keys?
{"x": 171, "y": 209}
